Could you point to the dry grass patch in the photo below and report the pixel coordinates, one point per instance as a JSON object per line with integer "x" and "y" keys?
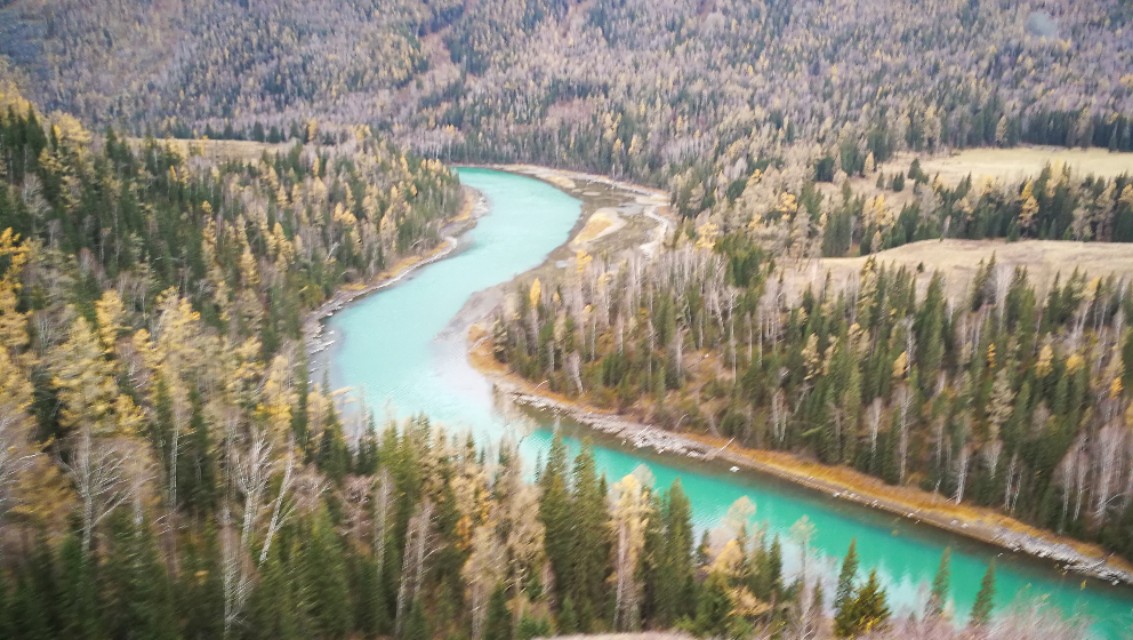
{"x": 1015, "y": 164}
{"x": 601, "y": 224}
{"x": 958, "y": 261}
{"x": 219, "y": 150}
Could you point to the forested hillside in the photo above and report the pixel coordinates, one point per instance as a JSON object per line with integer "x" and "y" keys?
{"x": 640, "y": 88}
{"x": 167, "y": 470}
{"x": 739, "y": 108}
{"x": 1008, "y": 397}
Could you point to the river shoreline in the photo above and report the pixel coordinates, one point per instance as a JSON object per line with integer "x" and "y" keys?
{"x": 980, "y": 524}
{"x": 983, "y": 525}
{"x": 841, "y": 483}
{"x": 472, "y": 208}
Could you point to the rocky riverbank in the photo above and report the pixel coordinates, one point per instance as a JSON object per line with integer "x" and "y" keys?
{"x": 840, "y": 483}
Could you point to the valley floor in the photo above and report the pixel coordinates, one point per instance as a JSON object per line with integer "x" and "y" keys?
{"x": 842, "y": 483}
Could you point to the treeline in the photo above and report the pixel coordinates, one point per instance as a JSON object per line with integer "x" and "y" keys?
{"x": 1005, "y": 399}
{"x": 656, "y": 91}
{"x": 168, "y": 470}
{"x": 251, "y": 245}
{"x": 414, "y": 536}
{"x": 152, "y": 380}
{"x": 1055, "y": 205}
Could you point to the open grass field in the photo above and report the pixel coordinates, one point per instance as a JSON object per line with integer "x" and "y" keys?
{"x": 220, "y": 150}
{"x": 1015, "y": 164}
{"x": 958, "y": 260}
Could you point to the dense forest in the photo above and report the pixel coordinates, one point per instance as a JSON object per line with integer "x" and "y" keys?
{"x": 653, "y": 90}
{"x": 1003, "y": 398}
{"x": 168, "y": 470}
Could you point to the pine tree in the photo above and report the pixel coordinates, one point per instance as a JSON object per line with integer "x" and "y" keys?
{"x": 555, "y": 514}
{"x": 329, "y": 594}
{"x": 498, "y": 625}
{"x": 196, "y": 467}
{"x": 200, "y": 592}
{"x": 333, "y": 457}
{"x": 275, "y": 611}
{"x": 673, "y": 594}
{"x": 140, "y": 594}
{"x": 981, "y": 609}
{"x": 775, "y": 567}
{"x": 568, "y": 619}
{"x": 939, "y": 594}
{"x": 591, "y": 545}
{"x": 713, "y": 609}
{"x": 847, "y": 577}
{"x": 29, "y": 617}
{"x": 865, "y": 612}
{"x": 78, "y": 604}
{"x": 416, "y": 625}
{"x": 370, "y": 615}
{"x": 530, "y": 628}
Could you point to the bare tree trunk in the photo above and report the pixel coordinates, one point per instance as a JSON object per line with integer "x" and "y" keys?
{"x": 905, "y": 403}
{"x": 98, "y": 471}
{"x": 874, "y": 421}
{"x": 962, "y": 474}
{"x": 382, "y": 498}
{"x": 413, "y": 565}
{"x": 573, "y": 367}
{"x": 279, "y": 513}
{"x": 1109, "y": 446}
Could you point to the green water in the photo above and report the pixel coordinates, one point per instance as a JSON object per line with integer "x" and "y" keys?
{"x": 402, "y": 352}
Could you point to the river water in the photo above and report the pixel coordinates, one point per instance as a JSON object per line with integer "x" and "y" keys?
{"x": 402, "y": 353}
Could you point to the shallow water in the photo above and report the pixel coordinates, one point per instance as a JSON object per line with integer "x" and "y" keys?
{"x": 404, "y": 355}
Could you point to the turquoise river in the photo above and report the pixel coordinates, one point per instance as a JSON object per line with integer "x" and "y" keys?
{"x": 402, "y": 351}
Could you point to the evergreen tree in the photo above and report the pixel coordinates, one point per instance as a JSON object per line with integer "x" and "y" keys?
{"x": 939, "y": 595}
{"x": 416, "y": 625}
{"x": 775, "y": 567}
{"x": 847, "y": 577}
{"x": 865, "y": 612}
{"x": 530, "y": 628}
{"x": 275, "y": 609}
{"x": 200, "y": 592}
{"x": 498, "y": 624}
{"x": 333, "y": 457}
{"x": 714, "y": 607}
{"x": 79, "y": 606}
{"x": 371, "y": 617}
{"x": 140, "y": 596}
{"x": 555, "y": 514}
{"x": 568, "y": 619}
{"x": 981, "y": 609}
{"x": 590, "y": 545}
{"x": 325, "y": 574}
{"x": 29, "y": 617}
{"x": 676, "y": 595}
{"x": 196, "y": 472}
